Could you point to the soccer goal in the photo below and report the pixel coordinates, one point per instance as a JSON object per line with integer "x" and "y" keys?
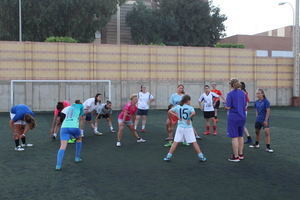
{"x": 43, "y": 95}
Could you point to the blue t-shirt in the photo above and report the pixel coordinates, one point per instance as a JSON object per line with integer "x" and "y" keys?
{"x": 236, "y": 100}
{"x": 20, "y": 111}
{"x": 175, "y": 99}
{"x": 261, "y": 107}
{"x": 184, "y": 113}
{"x": 73, "y": 114}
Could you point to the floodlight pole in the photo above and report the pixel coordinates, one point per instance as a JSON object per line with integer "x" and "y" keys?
{"x": 296, "y": 88}
{"x": 20, "y": 20}
{"x": 118, "y": 24}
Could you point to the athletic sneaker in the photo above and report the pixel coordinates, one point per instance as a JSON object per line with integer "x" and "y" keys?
{"x": 168, "y": 139}
{"x": 206, "y": 133}
{"x": 54, "y": 136}
{"x": 26, "y": 145}
{"x": 269, "y": 150}
{"x": 118, "y": 144}
{"x": 215, "y": 133}
{"x": 19, "y": 148}
{"x": 241, "y": 157}
{"x": 143, "y": 131}
{"x": 98, "y": 133}
{"x": 254, "y": 146}
{"x": 167, "y": 159}
{"x": 58, "y": 168}
{"x": 198, "y": 137}
{"x": 234, "y": 159}
{"x": 112, "y": 130}
{"x": 248, "y": 141}
{"x": 169, "y": 144}
{"x": 77, "y": 160}
{"x": 185, "y": 144}
{"x": 71, "y": 141}
{"x": 203, "y": 159}
{"x": 81, "y": 134}
{"x": 141, "y": 140}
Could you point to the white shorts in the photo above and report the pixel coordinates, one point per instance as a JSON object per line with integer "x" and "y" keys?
{"x": 21, "y": 122}
{"x": 185, "y": 135}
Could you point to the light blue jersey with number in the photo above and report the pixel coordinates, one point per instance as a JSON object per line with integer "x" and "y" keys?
{"x": 73, "y": 113}
{"x": 184, "y": 113}
{"x": 175, "y": 99}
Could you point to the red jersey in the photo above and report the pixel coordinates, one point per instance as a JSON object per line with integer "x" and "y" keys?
{"x": 130, "y": 110}
{"x": 66, "y": 104}
{"x": 218, "y": 92}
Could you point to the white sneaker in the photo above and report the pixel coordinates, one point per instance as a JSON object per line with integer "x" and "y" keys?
{"x": 81, "y": 134}
{"x": 141, "y": 140}
{"x": 19, "y": 148}
{"x": 98, "y": 133}
{"x": 112, "y": 130}
{"x": 254, "y": 146}
{"x": 269, "y": 150}
{"x": 118, "y": 144}
{"x": 26, "y": 145}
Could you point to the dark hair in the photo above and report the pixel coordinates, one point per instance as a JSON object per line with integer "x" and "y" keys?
{"x": 141, "y": 88}
{"x": 185, "y": 99}
{"x": 60, "y": 106}
{"x": 97, "y": 95}
{"x": 30, "y": 121}
{"x": 206, "y": 86}
{"x": 243, "y": 86}
{"x": 78, "y": 102}
{"x": 181, "y": 85}
{"x": 263, "y": 92}
{"x": 170, "y": 107}
{"x": 108, "y": 102}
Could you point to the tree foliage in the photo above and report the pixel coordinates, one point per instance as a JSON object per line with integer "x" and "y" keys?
{"x": 78, "y": 19}
{"x": 177, "y": 22}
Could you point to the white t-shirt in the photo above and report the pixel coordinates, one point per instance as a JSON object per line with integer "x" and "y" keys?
{"x": 102, "y": 110}
{"x": 144, "y": 100}
{"x": 208, "y": 101}
{"x": 89, "y": 105}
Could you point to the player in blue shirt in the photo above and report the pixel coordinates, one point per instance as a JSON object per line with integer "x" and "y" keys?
{"x": 70, "y": 128}
{"x": 21, "y": 121}
{"x": 185, "y": 131}
{"x": 263, "y": 110}
{"x": 236, "y": 105}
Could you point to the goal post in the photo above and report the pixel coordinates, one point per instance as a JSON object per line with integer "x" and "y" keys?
{"x": 14, "y": 82}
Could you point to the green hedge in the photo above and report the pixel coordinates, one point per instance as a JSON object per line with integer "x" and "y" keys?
{"x": 228, "y": 45}
{"x": 61, "y": 39}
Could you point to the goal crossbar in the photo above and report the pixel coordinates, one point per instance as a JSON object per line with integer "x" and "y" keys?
{"x": 12, "y": 82}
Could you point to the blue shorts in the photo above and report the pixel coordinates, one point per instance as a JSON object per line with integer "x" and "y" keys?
{"x": 142, "y": 112}
{"x": 88, "y": 117}
{"x": 235, "y": 128}
{"x": 67, "y": 133}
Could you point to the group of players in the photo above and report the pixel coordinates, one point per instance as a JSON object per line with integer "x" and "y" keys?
{"x": 69, "y": 119}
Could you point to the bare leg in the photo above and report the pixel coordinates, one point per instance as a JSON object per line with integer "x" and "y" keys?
{"x": 136, "y": 122}
{"x": 241, "y": 145}
{"x": 235, "y": 147}
{"x": 133, "y": 131}
{"x": 268, "y": 136}
{"x": 173, "y": 147}
{"x": 120, "y": 131}
{"x": 144, "y": 121}
{"x": 197, "y": 147}
{"x": 257, "y": 132}
{"x": 246, "y": 132}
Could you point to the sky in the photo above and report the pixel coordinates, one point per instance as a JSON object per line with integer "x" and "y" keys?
{"x": 254, "y": 16}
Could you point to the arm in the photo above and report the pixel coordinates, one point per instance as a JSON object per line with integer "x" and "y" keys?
{"x": 267, "y": 117}
{"x": 53, "y": 123}
{"x": 171, "y": 112}
{"x": 11, "y": 124}
{"x": 191, "y": 116}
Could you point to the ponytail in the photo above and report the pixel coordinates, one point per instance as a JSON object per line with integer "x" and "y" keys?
{"x": 184, "y": 100}
{"x": 97, "y": 95}
{"x": 235, "y": 84}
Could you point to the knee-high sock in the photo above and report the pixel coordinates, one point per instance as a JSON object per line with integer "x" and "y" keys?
{"x": 60, "y": 157}
{"x": 78, "y": 149}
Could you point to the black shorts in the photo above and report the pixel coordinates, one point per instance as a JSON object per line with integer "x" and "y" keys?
{"x": 260, "y": 125}
{"x": 209, "y": 114}
{"x": 217, "y": 105}
{"x": 141, "y": 112}
{"x": 105, "y": 116}
{"x": 61, "y": 116}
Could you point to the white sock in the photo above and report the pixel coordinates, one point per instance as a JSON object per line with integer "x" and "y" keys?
{"x": 143, "y": 127}
{"x": 111, "y": 128}
{"x": 54, "y": 134}
{"x": 135, "y": 127}
{"x": 81, "y": 131}
{"x": 95, "y": 129}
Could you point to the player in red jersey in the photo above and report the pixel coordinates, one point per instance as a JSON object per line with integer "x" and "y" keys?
{"x": 217, "y": 101}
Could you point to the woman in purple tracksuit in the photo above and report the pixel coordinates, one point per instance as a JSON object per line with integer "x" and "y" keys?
{"x": 236, "y": 106}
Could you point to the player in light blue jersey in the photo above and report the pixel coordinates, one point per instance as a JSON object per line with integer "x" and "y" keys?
{"x": 185, "y": 131}
{"x": 70, "y": 128}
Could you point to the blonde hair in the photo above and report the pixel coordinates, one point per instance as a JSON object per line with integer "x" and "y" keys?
{"x": 234, "y": 83}
{"x": 133, "y": 96}
{"x": 30, "y": 121}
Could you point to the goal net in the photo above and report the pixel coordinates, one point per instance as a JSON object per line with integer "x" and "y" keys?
{"x": 42, "y": 95}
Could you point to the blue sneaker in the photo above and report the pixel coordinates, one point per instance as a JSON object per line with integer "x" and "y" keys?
{"x": 248, "y": 141}
{"x": 167, "y": 159}
{"x": 58, "y": 168}
{"x": 203, "y": 159}
{"x": 77, "y": 160}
